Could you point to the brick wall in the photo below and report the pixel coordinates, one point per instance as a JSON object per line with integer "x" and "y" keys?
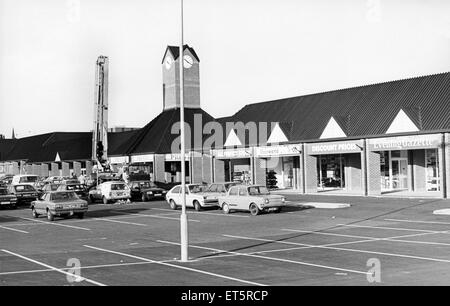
{"x": 373, "y": 173}
{"x": 353, "y": 172}
{"x": 219, "y": 170}
{"x": 419, "y": 170}
{"x": 260, "y": 171}
{"x": 88, "y": 168}
{"x": 65, "y": 169}
{"x": 54, "y": 169}
{"x": 310, "y": 173}
{"x": 159, "y": 168}
{"x": 77, "y": 168}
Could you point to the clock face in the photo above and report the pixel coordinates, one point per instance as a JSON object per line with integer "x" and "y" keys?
{"x": 187, "y": 61}
{"x": 168, "y": 62}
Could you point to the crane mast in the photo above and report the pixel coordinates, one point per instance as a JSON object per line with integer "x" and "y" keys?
{"x": 100, "y": 131}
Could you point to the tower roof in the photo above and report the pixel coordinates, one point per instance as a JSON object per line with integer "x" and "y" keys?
{"x": 175, "y": 51}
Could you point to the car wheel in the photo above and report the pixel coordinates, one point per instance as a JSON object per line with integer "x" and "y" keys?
{"x": 197, "y": 206}
{"x": 34, "y": 213}
{"x": 105, "y": 200}
{"x": 254, "y": 210}
{"x": 173, "y": 205}
{"x": 50, "y": 216}
{"x": 80, "y": 215}
{"x": 278, "y": 210}
{"x": 144, "y": 198}
{"x": 225, "y": 208}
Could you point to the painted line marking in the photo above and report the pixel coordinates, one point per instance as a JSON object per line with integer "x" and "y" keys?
{"x": 121, "y": 222}
{"x": 271, "y": 258}
{"x": 53, "y": 268}
{"x": 15, "y": 230}
{"x": 57, "y": 224}
{"x": 418, "y": 221}
{"x": 390, "y": 228}
{"x": 161, "y": 217}
{"x": 205, "y": 213}
{"x": 350, "y": 250}
{"x": 176, "y": 266}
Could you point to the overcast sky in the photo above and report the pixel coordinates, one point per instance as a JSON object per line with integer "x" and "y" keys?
{"x": 250, "y": 51}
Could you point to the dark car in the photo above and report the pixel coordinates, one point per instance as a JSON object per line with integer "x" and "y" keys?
{"x": 78, "y": 188}
{"x": 146, "y": 190}
{"x": 24, "y": 193}
{"x": 166, "y": 186}
{"x": 7, "y": 199}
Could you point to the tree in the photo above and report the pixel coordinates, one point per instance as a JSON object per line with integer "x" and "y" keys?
{"x": 271, "y": 179}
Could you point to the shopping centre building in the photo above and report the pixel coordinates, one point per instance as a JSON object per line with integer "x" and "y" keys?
{"x": 390, "y": 138}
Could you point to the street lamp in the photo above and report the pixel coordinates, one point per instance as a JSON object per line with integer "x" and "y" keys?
{"x": 183, "y": 216}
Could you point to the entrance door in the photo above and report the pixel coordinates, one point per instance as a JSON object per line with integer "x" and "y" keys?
{"x": 399, "y": 174}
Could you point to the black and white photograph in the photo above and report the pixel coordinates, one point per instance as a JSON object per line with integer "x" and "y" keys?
{"x": 224, "y": 148}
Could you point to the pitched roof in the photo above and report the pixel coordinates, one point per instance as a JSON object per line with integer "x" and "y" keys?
{"x": 175, "y": 51}
{"x": 360, "y": 111}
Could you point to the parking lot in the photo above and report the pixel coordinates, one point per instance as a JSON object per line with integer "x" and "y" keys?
{"x": 138, "y": 244}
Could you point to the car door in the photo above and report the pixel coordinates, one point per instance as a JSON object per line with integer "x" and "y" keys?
{"x": 242, "y": 199}
{"x": 175, "y": 195}
{"x": 97, "y": 194}
{"x": 189, "y": 198}
{"x": 231, "y": 199}
{"x": 40, "y": 205}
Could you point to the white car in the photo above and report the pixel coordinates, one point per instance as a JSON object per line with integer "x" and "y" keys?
{"x": 195, "y": 197}
{"x": 26, "y": 179}
{"x": 109, "y": 192}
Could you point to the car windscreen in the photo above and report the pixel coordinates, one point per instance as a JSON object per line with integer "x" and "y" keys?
{"x": 145, "y": 185}
{"x": 117, "y": 186}
{"x": 64, "y": 196}
{"x": 197, "y": 188}
{"x": 229, "y": 185}
{"x": 258, "y": 190}
{"x": 28, "y": 179}
{"x": 3, "y": 191}
{"x": 21, "y": 188}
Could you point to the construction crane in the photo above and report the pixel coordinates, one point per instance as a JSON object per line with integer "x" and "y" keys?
{"x": 100, "y": 131}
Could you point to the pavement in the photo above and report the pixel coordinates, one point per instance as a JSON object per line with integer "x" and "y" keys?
{"x": 375, "y": 241}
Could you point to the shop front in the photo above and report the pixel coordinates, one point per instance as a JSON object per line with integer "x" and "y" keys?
{"x": 233, "y": 165}
{"x": 334, "y": 166}
{"x": 409, "y": 164}
{"x": 141, "y": 164}
{"x": 280, "y": 165}
{"x": 172, "y": 168}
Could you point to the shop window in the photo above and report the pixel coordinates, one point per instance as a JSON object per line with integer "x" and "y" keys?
{"x": 331, "y": 172}
{"x": 432, "y": 170}
{"x": 384, "y": 169}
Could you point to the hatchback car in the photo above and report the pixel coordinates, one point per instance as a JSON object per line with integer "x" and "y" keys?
{"x": 59, "y": 203}
{"x": 146, "y": 190}
{"x": 24, "y": 193}
{"x": 194, "y": 197}
{"x": 109, "y": 192}
{"x": 253, "y": 198}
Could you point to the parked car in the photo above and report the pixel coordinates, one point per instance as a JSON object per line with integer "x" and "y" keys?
{"x": 215, "y": 190}
{"x": 7, "y": 199}
{"x": 55, "y": 179}
{"x": 59, "y": 203}
{"x": 166, "y": 186}
{"x": 195, "y": 197}
{"x": 146, "y": 190}
{"x": 78, "y": 188}
{"x": 49, "y": 188}
{"x": 253, "y": 198}
{"x": 25, "y": 193}
{"x": 28, "y": 179}
{"x": 6, "y": 179}
{"x": 109, "y": 192}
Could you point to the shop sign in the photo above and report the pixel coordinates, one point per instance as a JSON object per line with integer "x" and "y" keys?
{"x": 232, "y": 153}
{"x": 405, "y": 142}
{"x": 337, "y": 147}
{"x": 176, "y": 156}
{"x": 118, "y": 160}
{"x": 279, "y": 150}
{"x": 142, "y": 158}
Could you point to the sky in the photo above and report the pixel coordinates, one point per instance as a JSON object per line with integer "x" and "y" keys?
{"x": 250, "y": 51}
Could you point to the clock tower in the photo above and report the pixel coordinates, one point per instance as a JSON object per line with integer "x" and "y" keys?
{"x": 171, "y": 78}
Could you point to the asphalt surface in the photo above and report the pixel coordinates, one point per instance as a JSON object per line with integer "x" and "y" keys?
{"x": 138, "y": 244}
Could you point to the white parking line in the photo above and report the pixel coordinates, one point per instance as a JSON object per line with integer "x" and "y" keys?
{"x": 418, "y": 221}
{"x": 53, "y": 268}
{"x": 161, "y": 217}
{"x": 57, "y": 224}
{"x": 391, "y": 228}
{"x": 176, "y": 266}
{"x": 271, "y": 258}
{"x": 15, "y": 230}
{"x": 350, "y": 250}
{"x": 204, "y": 213}
{"x": 117, "y": 221}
